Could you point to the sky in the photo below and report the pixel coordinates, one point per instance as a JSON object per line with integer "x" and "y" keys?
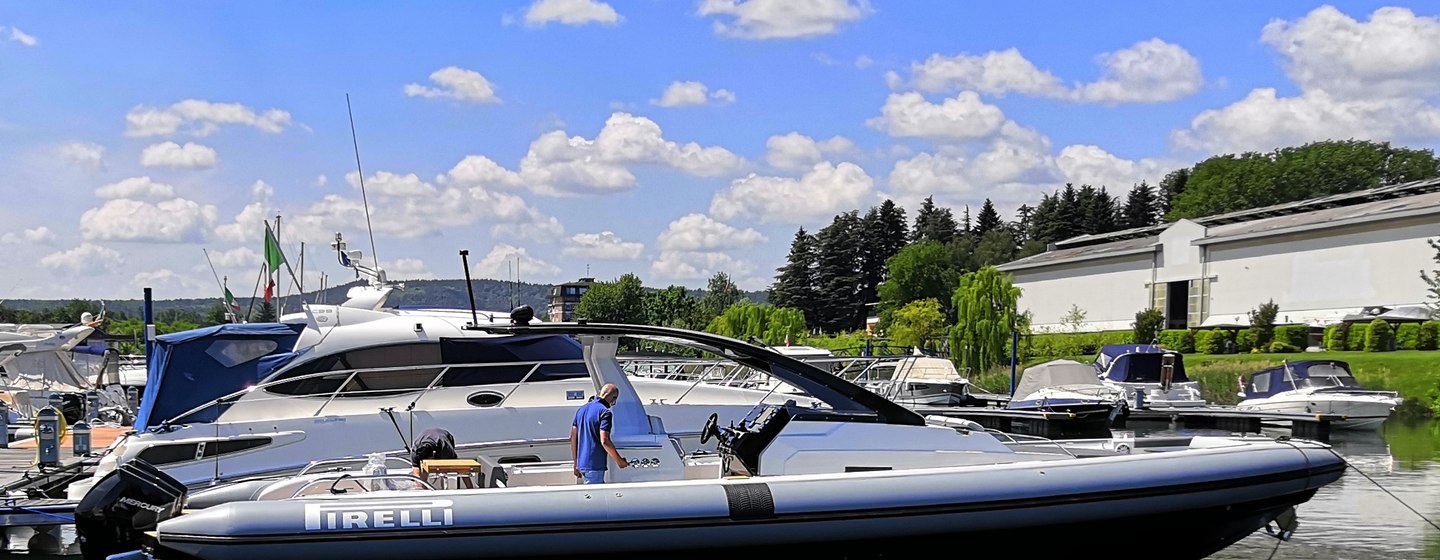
{"x": 147, "y": 144}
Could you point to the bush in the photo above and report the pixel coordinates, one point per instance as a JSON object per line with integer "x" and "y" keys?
{"x": 1335, "y": 336}
{"x": 1294, "y": 335}
{"x": 1407, "y": 336}
{"x": 1212, "y": 341}
{"x": 1380, "y": 338}
{"x": 1429, "y": 335}
{"x": 1355, "y": 336}
{"x": 1244, "y": 341}
{"x": 1182, "y": 341}
{"x": 1262, "y": 322}
{"x": 1148, "y": 324}
{"x": 1278, "y": 347}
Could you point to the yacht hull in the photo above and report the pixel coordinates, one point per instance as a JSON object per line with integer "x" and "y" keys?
{"x": 1360, "y": 412}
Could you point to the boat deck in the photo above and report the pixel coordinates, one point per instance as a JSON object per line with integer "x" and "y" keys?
{"x": 1224, "y": 417}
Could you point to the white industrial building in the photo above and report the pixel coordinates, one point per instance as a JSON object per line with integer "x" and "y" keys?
{"x": 1320, "y": 260}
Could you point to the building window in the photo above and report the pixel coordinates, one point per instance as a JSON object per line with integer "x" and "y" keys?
{"x": 1198, "y": 303}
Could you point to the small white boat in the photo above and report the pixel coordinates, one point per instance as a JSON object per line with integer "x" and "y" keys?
{"x": 1066, "y": 386}
{"x": 1317, "y": 387}
{"x": 854, "y": 474}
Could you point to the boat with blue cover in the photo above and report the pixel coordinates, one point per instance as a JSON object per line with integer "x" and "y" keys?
{"x": 1317, "y": 387}
{"x": 1151, "y": 376}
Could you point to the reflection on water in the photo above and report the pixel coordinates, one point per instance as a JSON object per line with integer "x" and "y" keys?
{"x": 1355, "y": 518}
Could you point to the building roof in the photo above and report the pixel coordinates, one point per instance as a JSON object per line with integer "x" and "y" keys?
{"x": 1417, "y": 198}
{"x": 1388, "y": 192}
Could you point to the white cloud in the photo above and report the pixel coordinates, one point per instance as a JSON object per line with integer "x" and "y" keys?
{"x": 1147, "y": 72}
{"x": 88, "y": 259}
{"x": 506, "y": 262}
{"x": 571, "y": 12}
{"x": 1091, "y": 165}
{"x": 201, "y": 118}
{"x": 698, "y": 232}
{"x": 963, "y": 117}
{"x": 480, "y": 171}
{"x": 88, "y": 154}
{"x": 689, "y": 94}
{"x": 168, "y": 281}
{"x": 1264, "y": 121}
{"x": 557, "y": 165}
{"x": 261, "y": 191}
{"x": 135, "y": 187}
{"x": 797, "y": 152}
{"x": 171, "y": 154}
{"x": 407, "y": 269}
{"x": 604, "y": 245}
{"x": 171, "y": 221}
{"x": 23, "y": 38}
{"x": 322, "y": 181}
{"x": 40, "y": 234}
{"x": 249, "y": 224}
{"x": 823, "y": 191}
{"x": 862, "y": 62}
{"x": 458, "y": 84}
{"x": 239, "y": 257}
{"x": 782, "y": 19}
{"x": 1150, "y": 71}
{"x": 700, "y": 265}
{"x": 1395, "y": 53}
{"x": 538, "y": 227}
{"x": 1010, "y": 170}
{"x": 993, "y": 73}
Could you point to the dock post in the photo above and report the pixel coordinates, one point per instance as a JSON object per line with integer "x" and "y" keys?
{"x": 47, "y": 437}
{"x": 4, "y": 425}
{"x": 92, "y": 405}
{"x": 80, "y": 439}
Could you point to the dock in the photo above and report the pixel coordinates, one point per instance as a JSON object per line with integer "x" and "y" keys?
{"x": 1302, "y": 425}
{"x": 1052, "y": 425}
{"x": 36, "y": 515}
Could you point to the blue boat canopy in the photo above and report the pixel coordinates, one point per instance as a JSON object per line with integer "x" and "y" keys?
{"x": 1298, "y": 375}
{"x": 193, "y": 367}
{"x": 1137, "y": 363}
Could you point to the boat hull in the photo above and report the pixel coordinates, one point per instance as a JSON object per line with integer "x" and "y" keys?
{"x": 1191, "y": 506}
{"x": 1360, "y": 412}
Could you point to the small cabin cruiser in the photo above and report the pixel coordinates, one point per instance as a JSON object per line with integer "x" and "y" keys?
{"x": 850, "y": 473}
{"x": 1150, "y": 376}
{"x": 919, "y": 381}
{"x": 1066, "y": 386}
{"x": 1317, "y": 387}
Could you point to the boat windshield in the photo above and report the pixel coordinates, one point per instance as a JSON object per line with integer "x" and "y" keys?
{"x": 1323, "y": 375}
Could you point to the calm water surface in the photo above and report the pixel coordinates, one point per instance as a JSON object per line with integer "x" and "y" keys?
{"x": 1357, "y": 517}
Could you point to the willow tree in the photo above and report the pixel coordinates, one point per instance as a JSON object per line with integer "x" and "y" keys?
{"x": 773, "y": 325}
{"x": 986, "y": 314}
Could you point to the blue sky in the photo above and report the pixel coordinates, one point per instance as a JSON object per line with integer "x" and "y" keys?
{"x": 672, "y": 139}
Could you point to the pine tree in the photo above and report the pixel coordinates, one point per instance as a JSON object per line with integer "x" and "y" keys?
{"x": 265, "y": 314}
{"x": 988, "y": 220}
{"x": 1097, "y": 211}
{"x": 795, "y": 285}
{"x": 1171, "y": 187}
{"x": 838, "y": 274}
{"x": 1141, "y": 207}
{"x": 1024, "y": 224}
{"x": 933, "y": 223}
{"x": 883, "y": 235}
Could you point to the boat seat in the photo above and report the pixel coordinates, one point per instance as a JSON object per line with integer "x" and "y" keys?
{"x": 451, "y": 473}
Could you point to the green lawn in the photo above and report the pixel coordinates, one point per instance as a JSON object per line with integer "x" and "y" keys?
{"x": 1414, "y": 374}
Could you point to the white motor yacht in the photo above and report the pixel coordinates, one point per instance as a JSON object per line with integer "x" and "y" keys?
{"x": 1317, "y": 387}
{"x": 1150, "y": 376}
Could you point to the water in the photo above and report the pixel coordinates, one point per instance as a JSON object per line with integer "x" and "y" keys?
{"x": 1355, "y": 518}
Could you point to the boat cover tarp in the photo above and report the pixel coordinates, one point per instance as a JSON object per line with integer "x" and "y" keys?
{"x": 193, "y": 367}
{"x": 1054, "y": 373}
{"x": 1271, "y": 381}
{"x": 1137, "y": 363}
{"x": 524, "y": 349}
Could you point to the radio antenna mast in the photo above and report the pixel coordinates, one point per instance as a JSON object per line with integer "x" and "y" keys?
{"x": 363, "y": 199}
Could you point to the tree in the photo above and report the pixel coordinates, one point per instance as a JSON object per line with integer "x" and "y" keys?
{"x": 671, "y": 307}
{"x": 1171, "y": 187}
{"x": 986, "y": 315}
{"x": 264, "y": 314}
{"x": 720, "y": 294}
{"x": 916, "y": 324}
{"x": 988, "y": 220}
{"x": 772, "y": 325}
{"x": 933, "y": 223}
{"x": 796, "y": 284}
{"x": 620, "y": 301}
{"x": 1074, "y": 318}
{"x": 996, "y": 247}
{"x": 882, "y": 234}
{"x": 1433, "y": 280}
{"x": 1098, "y": 211}
{"x": 838, "y": 277}
{"x": 1023, "y": 224}
{"x": 1262, "y": 323}
{"x": 921, "y": 271}
{"x": 1148, "y": 324}
{"x": 1141, "y": 207}
{"x": 215, "y": 315}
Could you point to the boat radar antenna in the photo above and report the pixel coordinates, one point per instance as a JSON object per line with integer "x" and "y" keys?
{"x": 352, "y": 259}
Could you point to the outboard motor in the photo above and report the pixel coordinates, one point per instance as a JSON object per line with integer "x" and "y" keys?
{"x": 113, "y": 516}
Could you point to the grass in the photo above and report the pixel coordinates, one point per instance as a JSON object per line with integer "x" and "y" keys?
{"x": 1414, "y": 374}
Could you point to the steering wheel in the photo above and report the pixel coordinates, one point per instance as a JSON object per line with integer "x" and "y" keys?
{"x": 711, "y": 429}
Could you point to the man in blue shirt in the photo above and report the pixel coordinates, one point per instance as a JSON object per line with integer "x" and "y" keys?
{"x": 590, "y": 437}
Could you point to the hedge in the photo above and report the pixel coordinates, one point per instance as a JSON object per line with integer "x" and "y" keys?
{"x": 1244, "y": 341}
{"x": 1179, "y": 340}
{"x": 1380, "y": 337}
{"x": 1407, "y": 336}
{"x": 1294, "y": 335}
{"x": 1073, "y": 344}
{"x": 1335, "y": 336}
{"x": 1429, "y": 335}
{"x": 1355, "y": 336}
{"x": 1212, "y": 341}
